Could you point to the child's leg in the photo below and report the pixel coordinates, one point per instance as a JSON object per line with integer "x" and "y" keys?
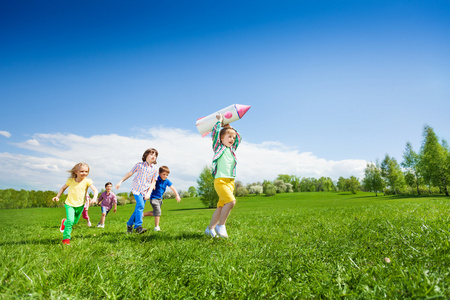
{"x": 78, "y": 213}
{"x": 70, "y": 216}
{"x": 226, "y": 212}
{"x": 224, "y": 188}
{"x": 136, "y": 217}
{"x": 215, "y": 218}
{"x": 148, "y": 214}
{"x": 102, "y": 219}
{"x": 85, "y": 214}
{"x": 156, "y": 205}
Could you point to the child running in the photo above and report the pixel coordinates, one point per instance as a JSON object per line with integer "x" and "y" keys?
{"x": 224, "y": 145}
{"x": 86, "y": 209}
{"x": 157, "y": 195}
{"x": 78, "y": 183}
{"x": 107, "y": 200}
{"x": 143, "y": 184}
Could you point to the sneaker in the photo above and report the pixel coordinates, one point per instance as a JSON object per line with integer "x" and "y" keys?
{"x": 210, "y": 232}
{"x": 129, "y": 229}
{"x": 61, "y": 228}
{"x": 89, "y": 224}
{"x": 221, "y": 231}
{"x": 157, "y": 228}
{"x": 66, "y": 241}
{"x": 101, "y": 225}
{"x": 140, "y": 230}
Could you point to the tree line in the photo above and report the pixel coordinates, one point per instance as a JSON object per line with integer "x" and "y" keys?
{"x": 427, "y": 171}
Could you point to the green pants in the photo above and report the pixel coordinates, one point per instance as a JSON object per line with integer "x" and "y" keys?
{"x": 73, "y": 214}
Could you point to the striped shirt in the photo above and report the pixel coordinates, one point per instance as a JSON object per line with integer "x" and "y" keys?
{"x": 146, "y": 173}
{"x": 220, "y": 148}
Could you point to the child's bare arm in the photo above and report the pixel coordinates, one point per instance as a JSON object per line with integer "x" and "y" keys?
{"x": 174, "y": 190}
{"x": 150, "y": 190}
{"x": 93, "y": 188}
{"x": 128, "y": 175}
{"x": 64, "y": 187}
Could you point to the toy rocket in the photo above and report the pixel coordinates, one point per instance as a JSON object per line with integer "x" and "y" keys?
{"x": 230, "y": 114}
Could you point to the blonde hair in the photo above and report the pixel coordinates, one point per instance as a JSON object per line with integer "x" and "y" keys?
{"x": 73, "y": 171}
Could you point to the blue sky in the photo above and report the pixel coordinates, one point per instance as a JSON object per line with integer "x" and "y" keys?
{"x": 332, "y": 84}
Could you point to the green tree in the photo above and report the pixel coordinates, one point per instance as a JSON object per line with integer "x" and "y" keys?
{"x": 353, "y": 184}
{"x": 372, "y": 179}
{"x": 192, "y": 191}
{"x": 342, "y": 184}
{"x": 392, "y": 173}
{"x": 411, "y": 162}
{"x": 206, "y": 191}
{"x": 433, "y": 160}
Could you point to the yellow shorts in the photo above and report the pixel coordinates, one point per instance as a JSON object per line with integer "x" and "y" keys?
{"x": 224, "y": 188}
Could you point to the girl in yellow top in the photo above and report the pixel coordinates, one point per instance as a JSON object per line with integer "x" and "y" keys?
{"x": 78, "y": 184}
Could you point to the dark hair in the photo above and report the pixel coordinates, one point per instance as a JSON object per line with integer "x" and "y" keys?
{"x": 147, "y": 152}
{"x": 164, "y": 169}
{"x": 108, "y": 183}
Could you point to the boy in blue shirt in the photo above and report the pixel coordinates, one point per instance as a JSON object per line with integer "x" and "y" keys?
{"x": 157, "y": 195}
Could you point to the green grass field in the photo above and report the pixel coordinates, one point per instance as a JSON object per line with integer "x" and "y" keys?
{"x": 290, "y": 246}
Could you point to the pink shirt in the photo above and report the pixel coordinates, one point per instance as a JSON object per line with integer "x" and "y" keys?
{"x": 145, "y": 174}
{"x": 108, "y": 200}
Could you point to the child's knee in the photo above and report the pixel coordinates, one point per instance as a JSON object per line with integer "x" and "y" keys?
{"x": 103, "y": 214}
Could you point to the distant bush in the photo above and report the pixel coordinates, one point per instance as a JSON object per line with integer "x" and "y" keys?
{"x": 169, "y": 195}
{"x": 255, "y": 189}
{"x": 280, "y": 186}
{"x": 270, "y": 190}
{"x": 241, "y": 191}
{"x": 185, "y": 194}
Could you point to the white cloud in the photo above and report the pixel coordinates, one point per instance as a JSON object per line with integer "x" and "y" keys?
{"x": 186, "y": 153}
{"x": 5, "y": 133}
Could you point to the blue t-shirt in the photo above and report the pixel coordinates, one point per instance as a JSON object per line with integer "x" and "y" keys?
{"x": 160, "y": 188}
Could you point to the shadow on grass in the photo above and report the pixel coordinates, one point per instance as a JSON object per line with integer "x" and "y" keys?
{"x": 395, "y": 197}
{"x": 185, "y": 209}
{"x": 33, "y": 242}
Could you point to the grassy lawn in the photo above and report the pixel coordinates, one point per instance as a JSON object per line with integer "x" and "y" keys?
{"x": 301, "y": 245}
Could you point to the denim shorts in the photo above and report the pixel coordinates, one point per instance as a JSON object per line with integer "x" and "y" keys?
{"x": 105, "y": 210}
{"x": 156, "y": 204}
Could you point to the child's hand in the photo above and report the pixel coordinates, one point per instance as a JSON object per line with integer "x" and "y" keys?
{"x": 219, "y": 117}
{"x": 117, "y": 186}
{"x": 115, "y": 209}
{"x": 178, "y": 198}
{"x": 55, "y": 199}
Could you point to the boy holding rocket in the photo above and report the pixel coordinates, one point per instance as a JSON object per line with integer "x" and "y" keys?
{"x": 224, "y": 144}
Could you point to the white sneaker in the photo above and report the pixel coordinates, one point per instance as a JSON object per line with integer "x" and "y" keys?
{"x": 221, "y": 231}
{"x": 100, "y": 225}
{"x": 157, "y": 228}
{"x": 210, "y": 232}
{"x": 89, "y": 224}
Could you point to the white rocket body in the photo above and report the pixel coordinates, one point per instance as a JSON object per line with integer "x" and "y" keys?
{"x": 230, "y": 114}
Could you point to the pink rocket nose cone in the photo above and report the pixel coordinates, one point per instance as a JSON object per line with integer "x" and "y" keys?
{"x": 242, "y": 109}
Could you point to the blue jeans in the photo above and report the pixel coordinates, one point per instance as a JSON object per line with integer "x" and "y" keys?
{"x": 136, "y": 217}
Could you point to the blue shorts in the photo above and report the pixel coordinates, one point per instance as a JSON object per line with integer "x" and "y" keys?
{"x": 105, "y": 210}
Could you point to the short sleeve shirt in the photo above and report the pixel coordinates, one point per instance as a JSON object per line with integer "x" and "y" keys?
{"x": 160, "y": 188}
{"x": 108, "y": 200}
{"x": 77, "y": 191}
{"x": 145, "y": 174}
